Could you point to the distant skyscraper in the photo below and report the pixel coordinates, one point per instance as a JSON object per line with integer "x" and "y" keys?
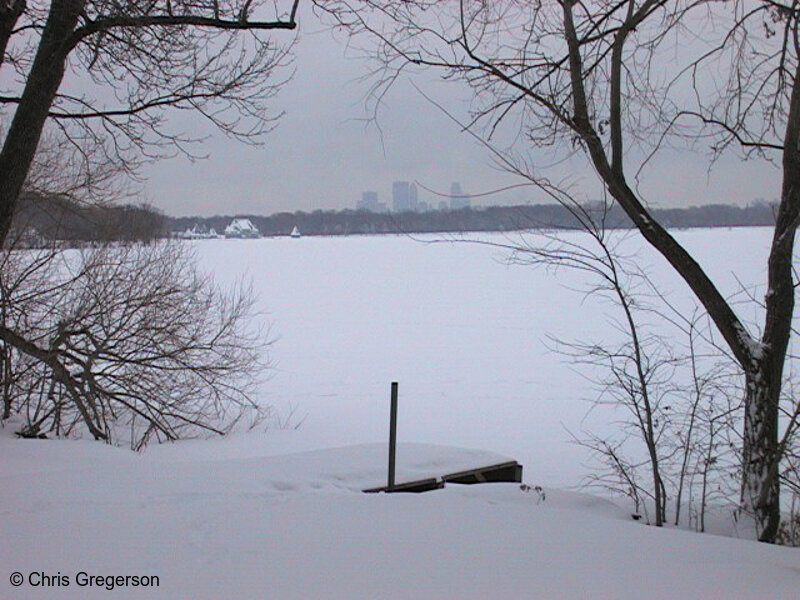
{"x": 369, "y": 201}
{"x": 413, "y": 199}
{"x": 401, "y": 196}
{"x": 458, "y": 199}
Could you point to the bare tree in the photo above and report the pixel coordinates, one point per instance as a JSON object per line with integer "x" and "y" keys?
{"x": 616, "y": 81}
{"x": 127, "y": 342}
{"x": 636, "y": 370}
{"x": 659, "y": 365}
{"x": 99, "y": 75}
{"x": 702, "y": 425}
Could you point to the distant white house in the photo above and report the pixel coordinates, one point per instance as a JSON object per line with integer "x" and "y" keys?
{"x": 241, "y": 228}
{"x": 295, "y": 232}
{"x": 198, "y": 232}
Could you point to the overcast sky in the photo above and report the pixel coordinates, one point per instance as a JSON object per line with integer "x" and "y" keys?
{"x": 322, "y": 156}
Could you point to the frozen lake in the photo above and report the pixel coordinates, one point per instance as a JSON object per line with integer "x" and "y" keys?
{"x": 248, "y": 516}
{"x": 464, "y": 333}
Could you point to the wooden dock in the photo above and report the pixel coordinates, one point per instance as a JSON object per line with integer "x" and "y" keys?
{"x": 510, "y": 471}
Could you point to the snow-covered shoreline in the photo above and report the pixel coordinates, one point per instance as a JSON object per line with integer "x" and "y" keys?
{"x": 280, "y": 514}
{"x": 297, "y": 526}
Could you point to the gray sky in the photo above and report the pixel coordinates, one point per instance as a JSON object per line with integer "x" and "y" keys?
{"x": 322, "y": 155}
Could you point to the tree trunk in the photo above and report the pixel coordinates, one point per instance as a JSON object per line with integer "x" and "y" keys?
{"x": 659, "y": 497}
{"x": 41, "y": 87}
{"x": 761, "y": 453}
{"x": 760, "y": 457}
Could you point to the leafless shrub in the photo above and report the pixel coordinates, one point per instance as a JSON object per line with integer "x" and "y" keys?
{"x": 127, "y": 342}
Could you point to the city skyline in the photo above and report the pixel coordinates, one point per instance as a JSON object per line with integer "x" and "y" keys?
{"x": 406, "y": 198}
{"x": 327, "y": 149}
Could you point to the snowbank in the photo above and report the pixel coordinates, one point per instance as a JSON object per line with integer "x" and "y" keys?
{"x": 214, "y": 525}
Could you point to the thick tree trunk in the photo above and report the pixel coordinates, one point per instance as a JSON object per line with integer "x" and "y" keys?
{"x": 761, "y": 451}
{"x": 26, "y": 127}
{"x": 760, "y": 457}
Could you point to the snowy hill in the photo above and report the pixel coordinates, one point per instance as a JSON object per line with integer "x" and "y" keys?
{"x": 221, "y": 519}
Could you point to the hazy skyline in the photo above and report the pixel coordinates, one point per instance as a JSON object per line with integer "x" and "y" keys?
{"x": 322, "y": 155}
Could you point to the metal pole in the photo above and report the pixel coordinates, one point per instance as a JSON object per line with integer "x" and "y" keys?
{"x": 392, "y": 437}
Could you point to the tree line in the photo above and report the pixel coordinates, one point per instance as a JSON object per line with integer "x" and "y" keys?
{"x": 40, "y": 219}
{"x": 493, "y": 218}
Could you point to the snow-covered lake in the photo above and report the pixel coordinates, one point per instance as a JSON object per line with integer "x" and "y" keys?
{"x": 281, "y": 514}
{"x": 463, "y": 332}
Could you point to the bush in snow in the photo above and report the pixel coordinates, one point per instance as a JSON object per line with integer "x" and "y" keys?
{"x": 126, "y": 342}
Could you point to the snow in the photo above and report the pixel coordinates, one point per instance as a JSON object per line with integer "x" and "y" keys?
{"x": 198, "y": 232}
{"x": 464, "y": 334}
{"x": 213, "y": 525}
{"x": 280, "y": 514}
